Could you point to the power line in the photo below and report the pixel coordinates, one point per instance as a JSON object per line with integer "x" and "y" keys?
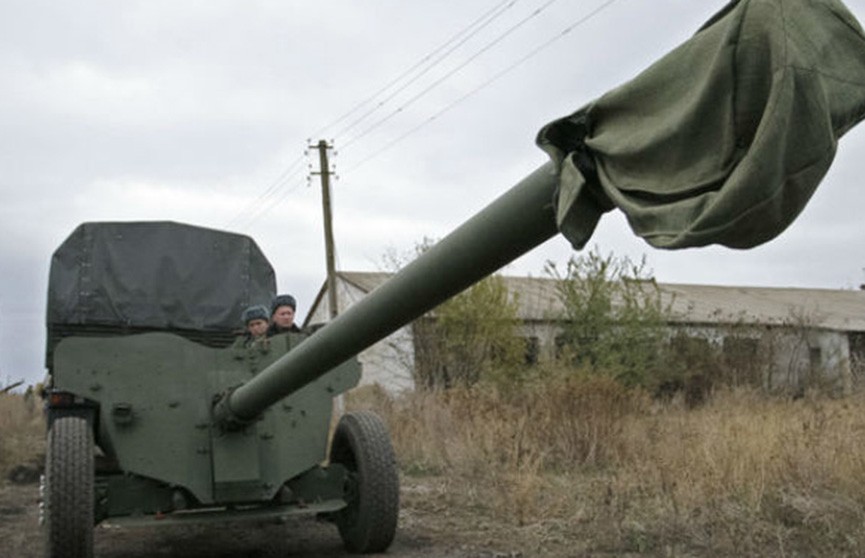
{"x": 439, "y": 81}
{"x": 263, "y": 209}
{"x": 418, "y": 64}
{"x": 494, "y": 15}
{"x": 252, "y": 210}
{"x": 276, "y": 196}
{"x": 283, "y": 177}
{"x": 534, "y": 52}
{"x": 255, "y": 213}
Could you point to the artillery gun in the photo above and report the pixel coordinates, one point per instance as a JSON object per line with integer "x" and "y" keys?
{"x": 695, "y": 151}
{"x": 156, "y": 417}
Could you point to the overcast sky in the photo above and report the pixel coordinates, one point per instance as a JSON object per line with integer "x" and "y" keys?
{"x": 199, "y": 112}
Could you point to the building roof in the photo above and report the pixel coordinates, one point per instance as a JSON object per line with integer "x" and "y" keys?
{"x": 842, "y": 310}
{"x": 837, "y": 309}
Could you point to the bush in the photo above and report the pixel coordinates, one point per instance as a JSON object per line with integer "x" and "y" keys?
{"x": 22, "y": 432}
{"x": 469, "y": 338}
{"x": 614, "y": 318}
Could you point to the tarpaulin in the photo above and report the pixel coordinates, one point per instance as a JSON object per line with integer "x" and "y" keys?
{"x": 161, "y": 275}
{"x": 723, "y": 140}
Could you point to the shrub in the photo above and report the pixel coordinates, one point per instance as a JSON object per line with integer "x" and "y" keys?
{"x": 22, "y": 431}
{"x": 614, "y": 318}
{"x": 469, "y": 338}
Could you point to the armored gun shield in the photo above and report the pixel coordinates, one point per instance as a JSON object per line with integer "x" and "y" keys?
{"x": 143, "y": 337}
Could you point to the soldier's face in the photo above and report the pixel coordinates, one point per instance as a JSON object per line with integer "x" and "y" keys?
{"x": 284, "y": 316}
{"x": 257, "y": 327}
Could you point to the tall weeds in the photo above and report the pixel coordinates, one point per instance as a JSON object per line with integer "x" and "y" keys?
{"x": 742, "y": 475}
{"x": 22, "y": 431}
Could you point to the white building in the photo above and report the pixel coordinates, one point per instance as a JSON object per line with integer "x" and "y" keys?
{"x": 789, "y": 337}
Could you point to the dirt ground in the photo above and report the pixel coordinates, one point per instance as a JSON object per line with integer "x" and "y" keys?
{"x": 426, "y": 529}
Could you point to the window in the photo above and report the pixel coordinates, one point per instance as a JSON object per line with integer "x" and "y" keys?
{"x": 533, "y": 349}
{"x": 741, "y": 361}
{"x": 857, "y": 345}
{"x": 815, "y": 359}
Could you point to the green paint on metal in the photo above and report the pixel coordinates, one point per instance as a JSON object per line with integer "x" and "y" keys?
{"x": 516, "y": 222}
{"x": 156, "y": 396}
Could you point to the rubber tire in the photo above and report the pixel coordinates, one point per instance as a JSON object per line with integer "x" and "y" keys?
{"x": 69, "y": 496}
{"x": 362, "y": 444}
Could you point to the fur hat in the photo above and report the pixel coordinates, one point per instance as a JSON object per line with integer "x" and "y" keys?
{"x": 283, "y": 300}
{"x": 255, "y": 312}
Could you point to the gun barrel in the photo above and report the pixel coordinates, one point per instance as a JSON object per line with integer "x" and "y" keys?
{"x": 518, "y": 221}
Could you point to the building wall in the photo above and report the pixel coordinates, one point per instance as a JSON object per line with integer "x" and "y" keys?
{"x": 785, "y": 359}
{"x": 777, "y": 358}
{"x": 390, "y": 362}
{"x": 782, "y": 359}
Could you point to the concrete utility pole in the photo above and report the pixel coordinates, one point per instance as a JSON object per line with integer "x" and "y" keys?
{"x": 324, "y": 172}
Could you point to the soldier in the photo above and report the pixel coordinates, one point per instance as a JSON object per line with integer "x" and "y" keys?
{"x": 255, "y": 324}
{"x": 282, "y": 315}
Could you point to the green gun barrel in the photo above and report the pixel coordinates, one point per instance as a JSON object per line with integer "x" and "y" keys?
{"x": 510, "y": 226}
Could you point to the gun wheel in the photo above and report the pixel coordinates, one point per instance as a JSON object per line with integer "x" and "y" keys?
{"x": 69, "y": 500}
{"x": 362, "y": 445}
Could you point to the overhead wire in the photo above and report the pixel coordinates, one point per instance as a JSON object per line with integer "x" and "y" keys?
{"x": 250, "y": 207}
{"x": 252, "y": 211}
{"x": 264, "y": 209}
{"x": 418, "y": 64}
{"x": 449, "y": 74}
{"x": 481, "y": 24}
{"x": 531, "y": 54}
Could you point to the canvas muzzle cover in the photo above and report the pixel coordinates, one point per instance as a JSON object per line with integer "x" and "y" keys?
{"x": 723, "y": 140}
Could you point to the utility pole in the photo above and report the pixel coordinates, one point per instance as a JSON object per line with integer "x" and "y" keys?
{"x": 324, "y": 172}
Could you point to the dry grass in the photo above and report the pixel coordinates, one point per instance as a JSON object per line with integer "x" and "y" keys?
{"x": 584, "y": 467}
{"x": 586, "y": 461}
{"x": 22, "y": 432}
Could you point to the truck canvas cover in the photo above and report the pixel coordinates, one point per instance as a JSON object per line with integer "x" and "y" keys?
{"x": 141, "y": 276}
